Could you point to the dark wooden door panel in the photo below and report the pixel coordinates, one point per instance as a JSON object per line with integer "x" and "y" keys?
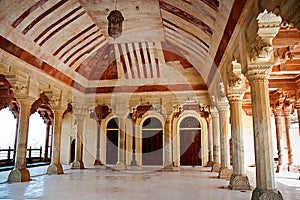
{"x": 112, "y": 147}
{"x": 190, "y": 147}
{"x": 152, "y": 147}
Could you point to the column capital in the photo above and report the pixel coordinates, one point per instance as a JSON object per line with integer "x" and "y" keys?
{"x": 297, "y": 105}
{"x": 261, "y": 56}
{"x": 223, "y": 106}
{"x": 236, "y": 82}
{"x": 259, "y": 71}
{"x": 287, "y": 107}
{"x": 80, "y": 110}
{"x": 214, "y": 113}
{"x": 58, "y": 111}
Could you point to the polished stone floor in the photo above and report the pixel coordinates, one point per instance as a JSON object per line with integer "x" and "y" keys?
{"x": 147, "y": 183}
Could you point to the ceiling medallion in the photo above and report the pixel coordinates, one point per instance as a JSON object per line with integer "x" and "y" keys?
{"x": 115, "y": 20}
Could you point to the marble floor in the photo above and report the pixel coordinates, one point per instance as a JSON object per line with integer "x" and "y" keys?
{"x": 147, "y": 183}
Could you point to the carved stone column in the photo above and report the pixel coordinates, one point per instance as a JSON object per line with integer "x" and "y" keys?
{"x": 99, "y": 113}
{"x": 210, "y": 142}
{"x": 216, "y": 140}
{"x": 297, "y": 107}
{"x": 55, "y": 167}
{"x": 20, "y": 173}
{"x": 279, "y": 124}
{"x": 168, "y": 166}
{"x": 287, "y": 119}
{"x": 223, "y": 108}
{"x": 46, "y": 152}
{"x": 80, "y": 113}
{"x": 97, "y": 160}
{"x": 259, "y": 66}
{"x": 235, "y": 94}
{"x": 121, "y": 164}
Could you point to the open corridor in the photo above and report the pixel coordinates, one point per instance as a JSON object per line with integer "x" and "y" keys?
{"x": 147, "y": 183}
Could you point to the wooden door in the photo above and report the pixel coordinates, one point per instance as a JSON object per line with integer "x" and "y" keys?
{"x": 112, "y": 140}
{"x": 152, "y": 142}
{"x": 190, "y": 146}
{"x": 152, "y": 147}
{"x": 190, "y": 142}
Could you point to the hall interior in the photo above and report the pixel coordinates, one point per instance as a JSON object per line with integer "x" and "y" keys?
{"x": 176, "y": 85}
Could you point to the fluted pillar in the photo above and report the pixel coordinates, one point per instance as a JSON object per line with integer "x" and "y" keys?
{"x": 20, "y": 173}
{"x": 97, "y": 160}
{"x": 121, "y": 164}
{"x": 168, "y": 166}
{"x": 78, "y": 163}
{"x": 259, "y": 65}
{"x": 46, "y": 152}
{"x": 279, "y": 125}
{"x": 216, "y": 140}
{"x": 55, "y": 167}
{"x": 210, "y": 142}
{"x": 235, "y": 93}
{"x": 287, "y": 119}
{"x": 297, "y": 107}
{"x": 225, "y": 170}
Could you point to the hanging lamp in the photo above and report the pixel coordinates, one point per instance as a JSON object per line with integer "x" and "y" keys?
{"x": 115, "y": 20}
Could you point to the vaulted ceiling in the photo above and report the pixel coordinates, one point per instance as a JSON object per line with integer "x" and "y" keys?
{"x": 68, "y": 39}
{"x": 171, "y": 43}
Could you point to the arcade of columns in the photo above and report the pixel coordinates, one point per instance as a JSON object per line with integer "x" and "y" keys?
{"x": 227, "y": 101}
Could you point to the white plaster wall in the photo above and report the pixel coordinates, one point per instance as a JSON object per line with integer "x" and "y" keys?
{"x": 89, "y": 141}
{"x": 248, "y": 140}
{"x": 68, "y": 133}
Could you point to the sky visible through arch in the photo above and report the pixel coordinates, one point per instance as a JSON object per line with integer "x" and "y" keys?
{"x": 36, "y": 135}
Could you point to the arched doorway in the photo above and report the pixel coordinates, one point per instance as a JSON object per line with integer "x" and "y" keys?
{"x": 190, "y": 141}
{"x": 112, "y": 140}
{"x": 152, "y": 142}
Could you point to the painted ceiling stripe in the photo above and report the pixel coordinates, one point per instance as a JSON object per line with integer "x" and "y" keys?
{"x": 235, "y": 13}
{"x": 56, "y": 23}
{"x": 73, "y": 38}
{"x": 130, "y": 58}
{"x": 27, "y": 57}
{"x": 186, "y": 16}
{"x": 85, "y": 53}
{"x": 82, "y": 47}
{"x": 174, "y": 25}
{"x": 179, "y": 41}
{"x": 42, "y": 16}
{"x": 187, "y": 42}
{"x": 122, "y": 59}
{"x": 61, "y": 27}
{"x": 214, "y": 4}
{"x": 27, "y": 12}
{"x": 78, "y": 43}
{"x": 147, "y": 88}
{"x": 136, "y": 60}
